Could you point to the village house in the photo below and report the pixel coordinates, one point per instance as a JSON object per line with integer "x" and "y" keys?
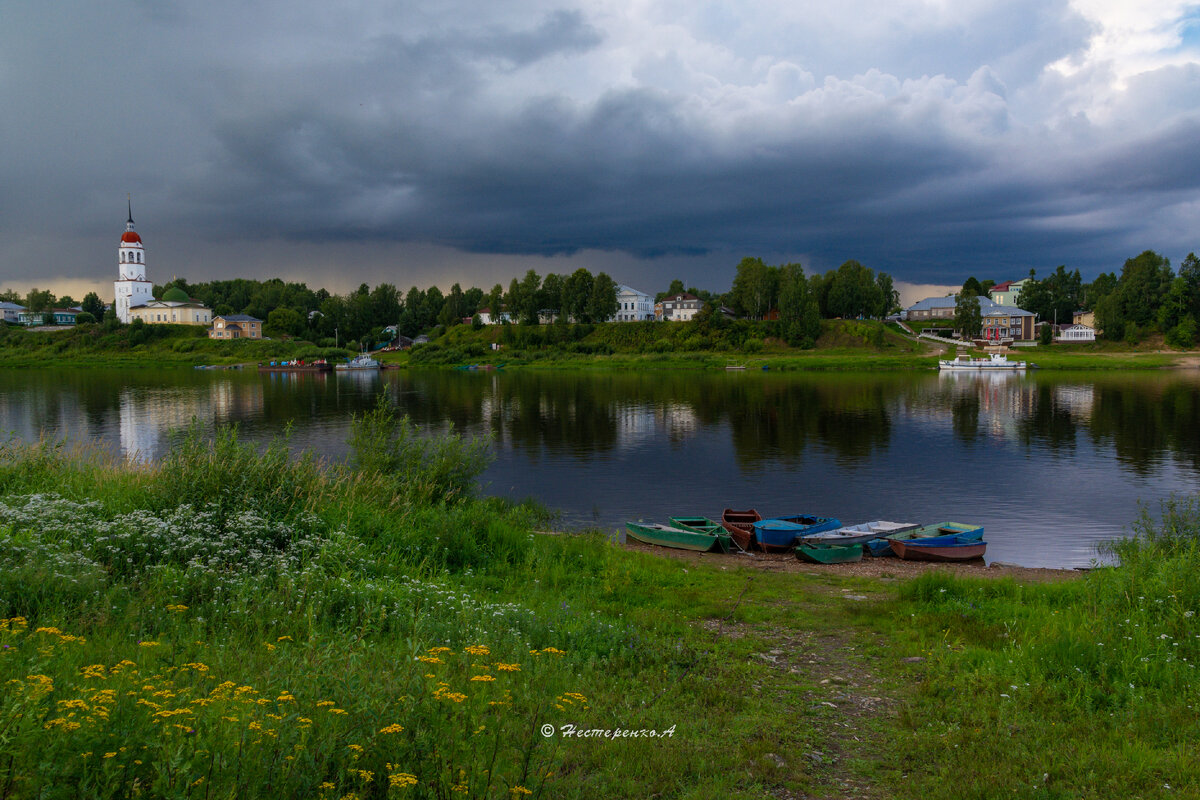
{"x": 488, "y": 318}
{"x": 999, "y": 322}
{"x": 235, "y": 326}
{"x": 632, "y": 305}
{"x": 1007, "y": 293}
{"x": 10, "y": 311}
{"x": 679, "y": 307}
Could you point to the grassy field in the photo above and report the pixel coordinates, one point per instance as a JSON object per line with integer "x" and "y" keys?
{"x": 233, "y": 623}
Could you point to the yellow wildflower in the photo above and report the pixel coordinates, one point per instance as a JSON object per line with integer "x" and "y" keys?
{"x": 519, "y": 791}
{"x": 508, "y": 667}
{"x": 477, "y": 650}
{"x": 355, "y": 747}
{"x": 177, "y": 607}
{"x": 366, "y": 776}
{"x": 147, "y": 644}
{"x": 484, "y": 678}
{"x": 324, "y": 703}
{"x": 430, "y": 659}
{"x": 110, "y": 755}
{"x": 436, "y": 650}
{"x": 555, "y": 651}
{"x": 284, "y": 639}
{"x": 402, "y": 780}
{"x": 393, "y": 728}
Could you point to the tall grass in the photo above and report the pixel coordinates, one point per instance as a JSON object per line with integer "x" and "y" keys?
{"x": 1086, "y": 688}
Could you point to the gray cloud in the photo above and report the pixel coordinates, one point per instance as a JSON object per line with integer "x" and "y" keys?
{"x": 923, "y": 142}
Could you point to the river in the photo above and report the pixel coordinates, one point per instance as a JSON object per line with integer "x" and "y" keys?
{"x": 1050, "y": 463}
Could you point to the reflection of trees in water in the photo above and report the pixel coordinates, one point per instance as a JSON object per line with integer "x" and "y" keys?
{"x": 771, "y": 417}
{"x": 964, "y": 413}
{"x": 1050, "y": 422}
{"x": 1146, "y": 419}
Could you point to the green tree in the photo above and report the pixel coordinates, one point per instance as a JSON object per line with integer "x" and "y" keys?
{"x": 1142, "y": 287}
{"x": 1046, "y": 333}
{"x": 1189, "y": 270}
{"x": 84, "y": 318}
{"x": 531, "y": 298}
{"x": 1104, "y": 285}
{"x": 798, "y": 311}
{"x": 968, "y": 319}
{"x": 973, "y": 286}
{"x": 889, "y": 298}
{"x": 755, "y": 288}
{"x": 576, "y": 290}
{"x": 39, "y": 300}
{"x": 852, "y": 292}
{"x": 495, "y": 302}
{"x": 552, "y": 294}
{"x": 285, "y": 322}
{"x": 602, "y": 302}
{"x": 92, "y": 304}
{"x": 1110, "y": 317}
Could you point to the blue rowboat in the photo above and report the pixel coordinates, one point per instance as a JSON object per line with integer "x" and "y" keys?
{"x": 781, "y": 533}
{"x": 942, "y": 533}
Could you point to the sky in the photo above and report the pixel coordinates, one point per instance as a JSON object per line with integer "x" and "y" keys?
{"x": 423, "y": 143}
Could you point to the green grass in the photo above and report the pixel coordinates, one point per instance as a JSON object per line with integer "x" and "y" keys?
{"x": 241, "y": 623}
{"x": 147, "y": 346}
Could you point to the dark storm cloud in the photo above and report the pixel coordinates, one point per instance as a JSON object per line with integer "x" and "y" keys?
{"x": 919, "y": 138}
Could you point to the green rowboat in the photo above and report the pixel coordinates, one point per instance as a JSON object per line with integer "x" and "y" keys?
{"x": 705, "y": 525}
{"x": 830, "y": 553}
{"x": 678, "y": 538}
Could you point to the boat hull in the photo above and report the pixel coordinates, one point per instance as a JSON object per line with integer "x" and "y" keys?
{"x": 938, "y": 533}
{"x": 779, "y": 534}
{"x": 740, "y": 525}
{"x": 668, "y": 536}
{"x": 296, "y": 368}
{"x": 829, "y": 554}
{"x": 917, "y": 550}
{"x": 705, "y": 525}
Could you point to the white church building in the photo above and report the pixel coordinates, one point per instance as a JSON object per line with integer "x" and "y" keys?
{"x": 132, "y": 288}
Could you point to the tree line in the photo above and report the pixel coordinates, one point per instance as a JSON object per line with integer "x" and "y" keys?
{"x": 1146, "y": 297}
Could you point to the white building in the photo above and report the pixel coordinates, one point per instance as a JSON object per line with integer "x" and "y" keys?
{"x": 1076, "y": 333}
{"x": 681, "y": 307}
{"x": 132, "y": 288}
{"x": 632, "y": 305}
{"x": 487, "y": 317}
{"x": 9, "y": 311}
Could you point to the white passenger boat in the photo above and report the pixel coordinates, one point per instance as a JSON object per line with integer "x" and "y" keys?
{"x": 994, "y": 362}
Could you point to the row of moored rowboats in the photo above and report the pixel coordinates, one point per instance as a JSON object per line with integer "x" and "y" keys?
{"x": 822, "y": 540}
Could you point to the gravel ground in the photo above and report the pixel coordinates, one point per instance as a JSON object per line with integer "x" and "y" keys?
{"x": 868, "y": 568}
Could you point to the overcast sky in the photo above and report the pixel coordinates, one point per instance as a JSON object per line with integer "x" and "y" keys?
{"x": 427, "y": 143}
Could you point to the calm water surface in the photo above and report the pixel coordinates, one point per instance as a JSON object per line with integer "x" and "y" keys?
{"x": 1050, "y": 464}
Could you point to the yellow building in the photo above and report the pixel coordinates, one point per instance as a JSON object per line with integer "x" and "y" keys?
{"x": 235, "y": 326}
{"x": 175, "y": 308}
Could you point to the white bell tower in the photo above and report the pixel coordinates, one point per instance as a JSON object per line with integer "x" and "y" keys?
{"x": 131, "y": 288}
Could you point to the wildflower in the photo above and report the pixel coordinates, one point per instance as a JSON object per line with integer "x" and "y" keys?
{"x": 326, "y": 785}
{"x": 285, "y": 697}
{"x": 324, "y": 703}
{"x": 402, "y": 780}
{"x": 430, "y": 659}
{"x": 393, "y": 728}
{"x": 268, "y": 645}
{"x": 110, "y": 755}
{"x": 484, "y": 678}
{"x": 177, "y": 607}
{"x": 555, "y": 651}
{"x": 284, "y": 639}
{"x": 477, "y": 650}
{"x": 355, "y": 747}
{"x": 147, "y": 644}
{"x": 436, "y": 650}
{"x": 508, "y": 667}
{"x": 519, "y": 791}
{"x": 366, "y": 776}
{"x": 338, "y": 711}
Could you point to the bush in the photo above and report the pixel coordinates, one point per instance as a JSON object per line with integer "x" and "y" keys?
{"x": 415, "y": 468}
{"x": 1183, "y": 335}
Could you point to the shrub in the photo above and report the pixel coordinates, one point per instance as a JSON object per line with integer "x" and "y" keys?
{"x": 414, "y": 467}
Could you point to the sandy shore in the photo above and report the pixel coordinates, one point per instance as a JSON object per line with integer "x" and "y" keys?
{"x": 893, "y": 568}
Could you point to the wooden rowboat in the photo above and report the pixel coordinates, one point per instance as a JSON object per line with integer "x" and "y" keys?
{"x": 939, "y": 533}
{"x": 830, "y": 553}
{"x": 781, "y": 533}
{"x": 918, "y": 550}
{"x": 705, "y": 525}
{"x": 740, "y": 525}
{"x": 678, "y": 538}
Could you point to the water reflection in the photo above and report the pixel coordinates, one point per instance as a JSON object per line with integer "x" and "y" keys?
{"x": 1028, "y": 455}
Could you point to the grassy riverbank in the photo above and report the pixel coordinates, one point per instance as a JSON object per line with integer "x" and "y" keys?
{"x": 232, "y": 623}
{"x": 133, "y": 346}
{"x": 863, "y": 345}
